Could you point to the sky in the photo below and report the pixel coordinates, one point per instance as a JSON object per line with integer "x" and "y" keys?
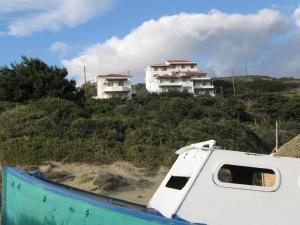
{"x": 117, "y": 36}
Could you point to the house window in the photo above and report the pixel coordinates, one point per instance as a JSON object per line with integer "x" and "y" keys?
{"x": 176, "y": 182}
{"x": 121, "y": 83}
{"x": 246, "y": 176}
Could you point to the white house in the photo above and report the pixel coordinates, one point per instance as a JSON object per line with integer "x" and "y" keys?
{"x": 178, "y": 75}
{"x": 114, "y": 85}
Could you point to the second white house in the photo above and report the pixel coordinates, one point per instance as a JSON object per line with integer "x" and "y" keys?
{"x": 178, "y": 75}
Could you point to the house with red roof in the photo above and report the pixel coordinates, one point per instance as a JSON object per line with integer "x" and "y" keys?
{"x": 114, "y": 86}
{"x": 178, "y": 75}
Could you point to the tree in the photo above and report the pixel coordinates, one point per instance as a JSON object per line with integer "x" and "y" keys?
{"x": 33, "y": 79}
{"x": 89, "y": 89}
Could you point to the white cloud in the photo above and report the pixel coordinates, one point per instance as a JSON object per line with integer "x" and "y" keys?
{"x": 59, "y": 47}
{"x": 283, "y": 58}
{"x": 29, "y": 16}
{"x": 297, "y": 16}
{"x": 22, "y": 5}
{"x": 224, "y": 40}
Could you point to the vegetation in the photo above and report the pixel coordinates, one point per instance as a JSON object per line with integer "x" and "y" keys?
{"x": 33, "y": 79}
{"x": 250, "y": 84}
{"x": 145, "y": 130}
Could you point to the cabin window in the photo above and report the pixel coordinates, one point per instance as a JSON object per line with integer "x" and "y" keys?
{"x": 155, "y": 68}
{"x": 121, "y": 83}
{"x": 192, "y": 66}
{"x": 177, "y": 182}
{"x": 245, "y": 175}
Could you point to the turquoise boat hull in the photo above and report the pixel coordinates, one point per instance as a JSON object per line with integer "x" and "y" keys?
{"x": 30, "y": 200}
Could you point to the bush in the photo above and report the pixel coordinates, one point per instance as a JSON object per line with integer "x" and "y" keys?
{"x": 145, "y": 130}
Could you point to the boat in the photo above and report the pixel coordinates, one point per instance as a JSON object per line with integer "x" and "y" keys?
{"x": 206, "y": 185}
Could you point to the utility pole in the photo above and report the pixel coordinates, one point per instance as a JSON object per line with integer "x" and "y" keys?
{"x": 276, "y": 147}
{"x": 246, "y": 70}
{"x": 85, "y": 87}
{"x": 233, "y": 85}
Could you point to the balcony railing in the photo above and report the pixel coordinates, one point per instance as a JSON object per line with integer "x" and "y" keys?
{"x": 168, "y": 84}
{"x": 116, "y": 89}
{"x": 204, "y": 87}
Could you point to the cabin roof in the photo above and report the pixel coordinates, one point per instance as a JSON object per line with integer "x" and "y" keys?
{"x": 290, "y": 149}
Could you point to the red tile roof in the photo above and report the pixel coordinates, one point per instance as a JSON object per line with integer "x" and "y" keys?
{"x": 115, "y": 75}
{"x": 173, "y": 61}
{"x": 179, "y": 60}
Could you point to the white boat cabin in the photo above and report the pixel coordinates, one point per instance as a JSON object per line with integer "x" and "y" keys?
{"x": 221, "y": 187}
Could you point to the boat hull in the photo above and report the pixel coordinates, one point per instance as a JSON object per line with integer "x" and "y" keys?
{"x": 27, "y": 200}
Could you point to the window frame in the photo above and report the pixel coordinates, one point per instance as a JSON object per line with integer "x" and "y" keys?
{"x": 274, "y": 188}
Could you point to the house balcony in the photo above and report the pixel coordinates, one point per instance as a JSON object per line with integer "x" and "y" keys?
{"x": 204, "y": 87}
{"x": 117, "y": 89}
{"x": 170, "y": 84}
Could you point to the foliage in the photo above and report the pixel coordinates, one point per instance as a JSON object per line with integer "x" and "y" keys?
{"x": 89, "y": 89}
{"x": 144, "y": 130}
{"x": 33, "y": 79}
{"x": 250, "y": 84}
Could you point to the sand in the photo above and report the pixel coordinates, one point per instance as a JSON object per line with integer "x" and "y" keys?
{"x": 119, "y": 179}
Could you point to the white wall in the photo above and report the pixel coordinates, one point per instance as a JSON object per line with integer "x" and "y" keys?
{"x": 117, "y": 90}
{"x": 155, "y": 85}
{"x": 212, "y": 204}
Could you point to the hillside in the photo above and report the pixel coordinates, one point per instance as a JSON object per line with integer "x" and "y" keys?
{"x": 286, "y": 86}
{"x": 145, "y": 130}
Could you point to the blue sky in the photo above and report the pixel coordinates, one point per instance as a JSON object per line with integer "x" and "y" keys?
{"x": 74, "y": 32}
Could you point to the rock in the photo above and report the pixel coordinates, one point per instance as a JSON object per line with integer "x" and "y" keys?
{"x": 59, "y": 176}
{"x": 143, "y": 183}
{"x": 31, "y": 168}
{"x": 111, "y": 182}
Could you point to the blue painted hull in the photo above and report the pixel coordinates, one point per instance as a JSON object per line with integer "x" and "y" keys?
{"x": 29, "y": 200}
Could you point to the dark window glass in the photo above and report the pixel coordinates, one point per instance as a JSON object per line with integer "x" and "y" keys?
{"x": 176, "y": 182}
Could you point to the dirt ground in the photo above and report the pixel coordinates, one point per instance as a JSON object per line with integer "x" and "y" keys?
{"x": 120, "y": 179}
